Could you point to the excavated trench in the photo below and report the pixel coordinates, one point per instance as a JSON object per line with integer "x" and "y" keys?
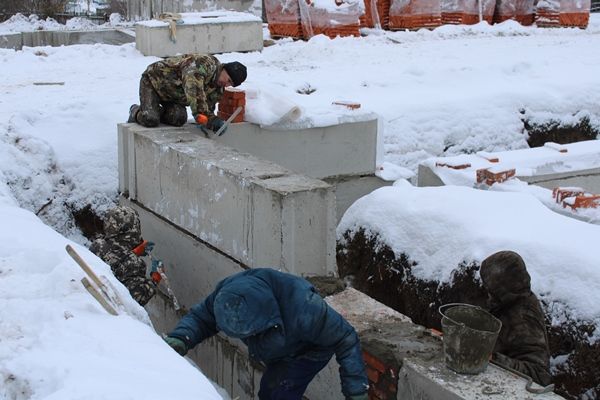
{"x": 557, "y": 131}
{"x": 375, "y": 270}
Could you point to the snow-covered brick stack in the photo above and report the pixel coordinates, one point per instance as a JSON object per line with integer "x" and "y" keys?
{"x": 283, "y": 17}
{"x": 415, "y": 14}
{"x": 331, "y": 17}
{"x": 467, "y": 11}
{"x": 377, "y": 14}
{"x": 518, "y": 10}
{"x": 231, "y": 100}
{"x": 554, "y": 13}
{"x": 575, "y": 197}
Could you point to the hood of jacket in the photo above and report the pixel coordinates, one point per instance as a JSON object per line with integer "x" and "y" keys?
{"x": 505, "y": 277}
{"x": 246, "y": 306}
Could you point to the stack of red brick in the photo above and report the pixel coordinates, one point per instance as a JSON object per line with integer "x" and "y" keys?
{"x": 383, "y": 377}
{"x": 303, "y": 18}
{"x": 368, "y": 19}
{"x": 456, "y": 12}
{"x": 575, "y": 198}
{"x": 415, "y": 14}
{"x": 231, "y": 100}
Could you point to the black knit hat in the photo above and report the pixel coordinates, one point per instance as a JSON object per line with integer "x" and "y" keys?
{"x": 236, "y": 71}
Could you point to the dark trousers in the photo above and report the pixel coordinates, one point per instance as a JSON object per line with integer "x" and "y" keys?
{"x": 154, "y": 111}
{"x": 287, "y": 380}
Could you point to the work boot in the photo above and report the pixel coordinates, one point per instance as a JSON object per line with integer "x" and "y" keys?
{"x": 133, "y": 110}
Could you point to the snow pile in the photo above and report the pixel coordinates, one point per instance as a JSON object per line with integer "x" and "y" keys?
{"x": 57, "y": 341}
{"x": 21, "y": 23}
{"x": 440, "y": 227}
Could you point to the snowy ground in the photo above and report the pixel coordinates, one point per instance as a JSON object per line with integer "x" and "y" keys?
{"x": 452, "y": 90}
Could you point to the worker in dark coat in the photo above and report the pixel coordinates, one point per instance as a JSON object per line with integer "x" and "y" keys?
{"x": 195, "y": 80}
{"x": 523, "y": 342}
{"x": 122, "y": 233}
{"x": 285, "y": 324}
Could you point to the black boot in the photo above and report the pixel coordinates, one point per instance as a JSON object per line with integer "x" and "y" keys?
{"x": 133, "y": 110}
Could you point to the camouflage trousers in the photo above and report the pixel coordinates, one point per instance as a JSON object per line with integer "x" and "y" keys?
{"x": 140, "y": 288}
{"x": 153, "y": 110}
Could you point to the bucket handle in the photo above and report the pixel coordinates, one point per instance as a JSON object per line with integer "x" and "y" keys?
{"x": 444, "y": 306}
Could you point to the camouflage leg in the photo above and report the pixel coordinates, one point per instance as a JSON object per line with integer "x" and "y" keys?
{"x": 141, "y": 289}
{"x": 149, "y": 113}
{"x": 173, "y": 114}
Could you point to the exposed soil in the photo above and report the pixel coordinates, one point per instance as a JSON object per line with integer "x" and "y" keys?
{"x": 88, "y": 221}
{"x": 375, "y": 270}
{"x": 557, "y": 131}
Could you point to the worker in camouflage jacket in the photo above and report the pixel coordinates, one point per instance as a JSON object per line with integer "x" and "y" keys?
{"x": 523, "y": 342}
{"x": 122, "y": 233}
{"x": 194, "y": 80}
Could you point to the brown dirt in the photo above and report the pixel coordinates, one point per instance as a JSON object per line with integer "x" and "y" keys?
{"x": 375, "y": 270}
{"x": 556, "y": 131}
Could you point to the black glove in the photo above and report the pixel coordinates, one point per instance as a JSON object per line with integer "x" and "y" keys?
{"x": 215, "y": 124}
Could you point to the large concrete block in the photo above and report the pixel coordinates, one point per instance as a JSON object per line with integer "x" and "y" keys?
{"x": 11, "y": 41}
{"x": 254, "y": 211}
{"x": 105, "y": 36}
{"x": 431, "y": 380}
{"x": 350, "y": 188}
{"x": 208, "y": 32}
{"x": 348, "y": 148}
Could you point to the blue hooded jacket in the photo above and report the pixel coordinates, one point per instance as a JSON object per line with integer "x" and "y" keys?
{"x": 278, "y": 316}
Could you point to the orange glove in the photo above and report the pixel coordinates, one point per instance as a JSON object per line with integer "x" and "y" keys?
{"x": 201, "y": 119}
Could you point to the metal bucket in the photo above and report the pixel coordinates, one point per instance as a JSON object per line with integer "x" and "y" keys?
{"x": 470, "y": 334}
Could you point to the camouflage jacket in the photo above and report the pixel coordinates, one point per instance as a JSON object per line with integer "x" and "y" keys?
{"x": 523, "y": 343}
{"x": 122, "y": 234}
{"x": 188, "y": 80}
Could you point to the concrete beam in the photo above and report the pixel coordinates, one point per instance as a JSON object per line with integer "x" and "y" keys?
{"x": 345, "y": 149}
{"x": 11, "y": 41}
{"x": 254, "y": 211}
{"x": 64, "y": 38}
{"x": 585, "y": 178}
{"x": 209, "y": 33}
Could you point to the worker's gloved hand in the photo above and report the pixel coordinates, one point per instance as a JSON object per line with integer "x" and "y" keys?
{"x": 214, "y": 124}
{"x": 177, "y": 344}
{"x": 148, "y": 248}
{"x": 364, "y": 396}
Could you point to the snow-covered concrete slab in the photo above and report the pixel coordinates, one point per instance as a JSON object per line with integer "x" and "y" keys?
{"x": 256, "y": 212}
{"x": 575, "y": 164}
{"x": 207, "y": 32}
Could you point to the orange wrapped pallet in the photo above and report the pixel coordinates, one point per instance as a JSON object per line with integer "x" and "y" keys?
{"x": 568, "y": 13}
{"x": 467, "y": 12}
{"x": 283, "y": 17}
{"x": 415, "y": 14}
{"x": 518, "y": 10}
{"x": 331, "y": 17}
{"x": 377, "y": 14}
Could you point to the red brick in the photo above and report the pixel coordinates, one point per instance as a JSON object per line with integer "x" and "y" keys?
{"x": 559, "y": 194}
{"x": 489, "y": 177}
{"x": 373, "y": 362}
{"x": 584, "y": 201}
{"x": 348, "y": 104}
{"x": 453, "y": 166}
{"x": 233, "y": 93}
{"x": 372, "y": 374}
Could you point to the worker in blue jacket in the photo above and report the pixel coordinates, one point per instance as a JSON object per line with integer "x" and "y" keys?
{"x": 285, "y": 324}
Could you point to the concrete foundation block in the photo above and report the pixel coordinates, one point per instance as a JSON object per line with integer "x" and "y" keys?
{"x": 350, "y": 188}
{"x": 254, "y": 211}
{"x": 105, "y": 36}
{"x": 585, "y": 178}
{"x": 346, "y": 149}
{"x": 11, "y": 41}
{"x": 209, "y": 32}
